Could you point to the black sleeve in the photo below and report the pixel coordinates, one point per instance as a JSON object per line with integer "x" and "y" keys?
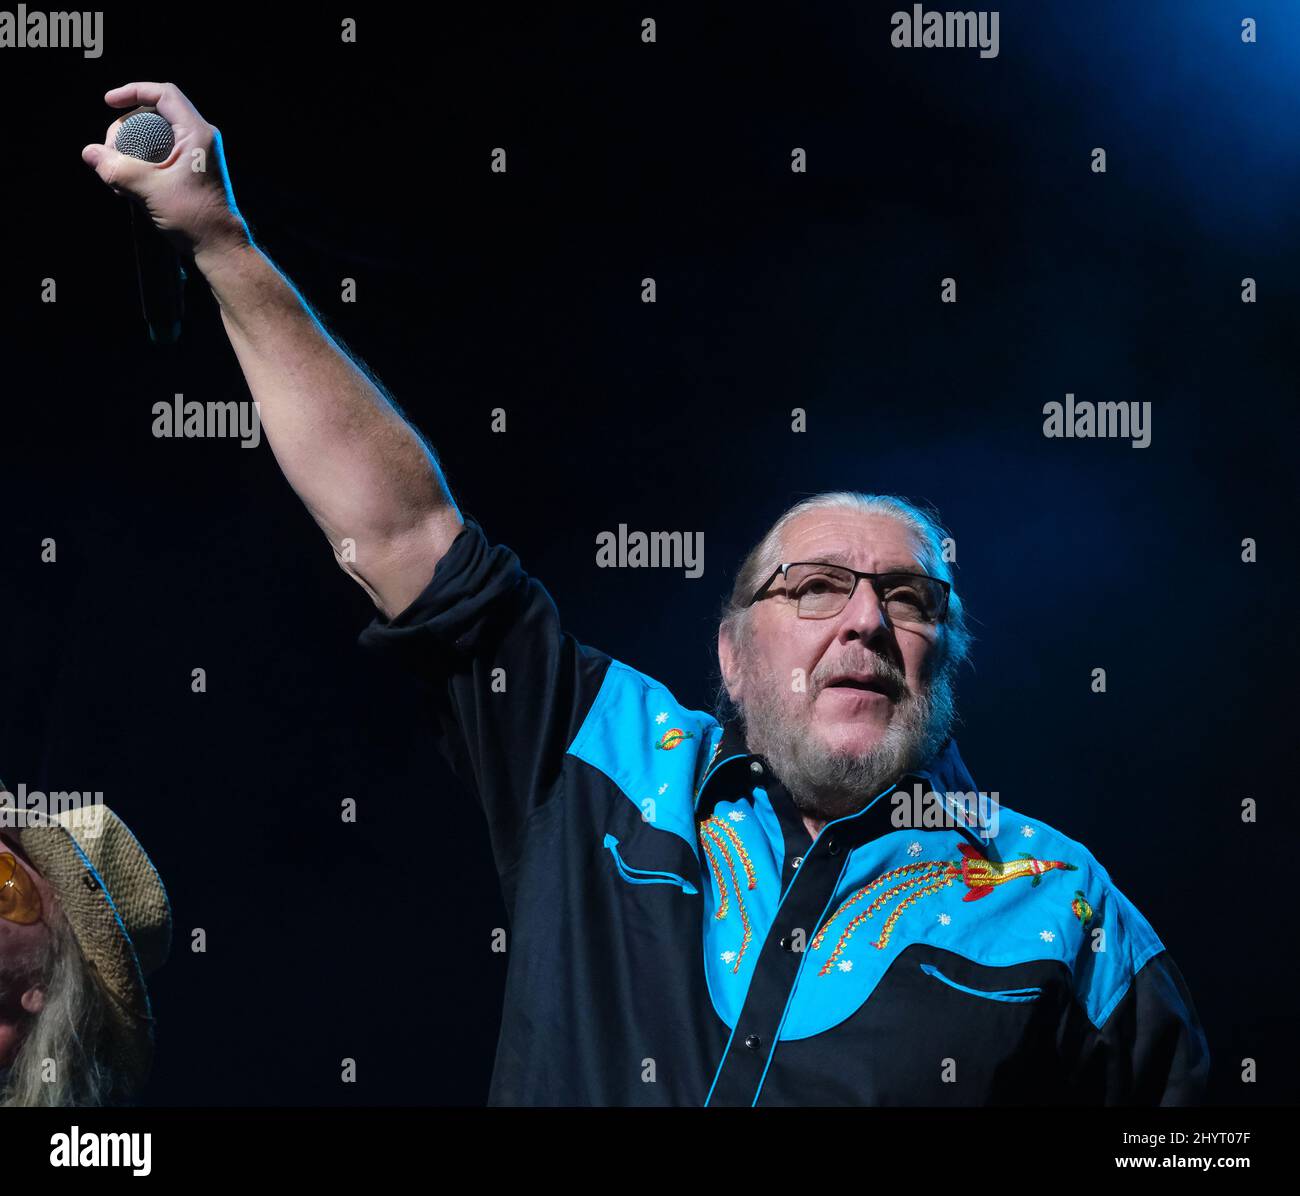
{"x": 510, "y": 688}
{"x": 1152, "y": 1048}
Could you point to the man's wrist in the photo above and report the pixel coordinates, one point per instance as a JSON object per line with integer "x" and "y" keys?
{"x": 223, "y": 247}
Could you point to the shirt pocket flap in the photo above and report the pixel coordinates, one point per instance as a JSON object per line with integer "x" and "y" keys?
{"x": 1013, "y": 995}
{"x": 638, "y": 866}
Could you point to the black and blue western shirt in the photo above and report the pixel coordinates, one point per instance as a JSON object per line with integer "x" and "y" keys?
{"x": 678, "y": 938}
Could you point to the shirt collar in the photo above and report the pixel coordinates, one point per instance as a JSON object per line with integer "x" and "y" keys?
{"x": 729, "y": 769}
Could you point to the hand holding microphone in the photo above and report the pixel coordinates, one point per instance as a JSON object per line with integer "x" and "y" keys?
{"x": 170, "y": 162}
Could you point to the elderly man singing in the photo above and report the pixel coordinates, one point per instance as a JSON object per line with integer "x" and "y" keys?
{"x": 790, "y": 903}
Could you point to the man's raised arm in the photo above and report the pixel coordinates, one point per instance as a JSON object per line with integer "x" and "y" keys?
{"x": 363, "y": 472}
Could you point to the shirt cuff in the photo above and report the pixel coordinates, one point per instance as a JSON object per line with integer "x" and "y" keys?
{"x": 472, "y": 585}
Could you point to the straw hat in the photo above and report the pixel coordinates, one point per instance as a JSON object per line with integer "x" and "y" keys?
{"x": 120, "y": 916}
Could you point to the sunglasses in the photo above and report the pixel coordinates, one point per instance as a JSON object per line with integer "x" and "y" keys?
{"x": 20, "y": 899}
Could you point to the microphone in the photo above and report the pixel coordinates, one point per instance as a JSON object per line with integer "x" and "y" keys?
{"x": 148, "y": 136}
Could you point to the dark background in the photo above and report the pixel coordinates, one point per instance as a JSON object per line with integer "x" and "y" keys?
{"x": 775, "y": 290}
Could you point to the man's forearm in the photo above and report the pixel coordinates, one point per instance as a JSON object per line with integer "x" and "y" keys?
{"x": 364, "y": 474}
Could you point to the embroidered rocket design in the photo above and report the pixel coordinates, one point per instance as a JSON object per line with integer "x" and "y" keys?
{"x": 912, "y": 882}
{"x": 673, "y": 738}
{"x": 719, "y": 839}
{"x": 982, "y": 875}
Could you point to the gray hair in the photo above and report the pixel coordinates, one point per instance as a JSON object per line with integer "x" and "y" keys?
{"x": 71, "y": 1030}
{"x": 923, "y": 522}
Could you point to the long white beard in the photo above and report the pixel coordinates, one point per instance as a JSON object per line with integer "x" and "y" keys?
{"x": 826, "y": 783}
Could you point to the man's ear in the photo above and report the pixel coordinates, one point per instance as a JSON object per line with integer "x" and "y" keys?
{"x": 729, "y": 663}
{"x": 33, "y": 1000}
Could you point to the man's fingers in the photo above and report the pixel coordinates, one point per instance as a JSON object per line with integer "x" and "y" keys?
{"x": 166, "y": 97}
{"x": 117, "y": 170}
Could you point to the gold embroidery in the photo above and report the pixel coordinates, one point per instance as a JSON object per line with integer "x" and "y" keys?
{"x": 717, "y": 876}
{"x": 721, "y": 835}
{"x": 980, "y": 874}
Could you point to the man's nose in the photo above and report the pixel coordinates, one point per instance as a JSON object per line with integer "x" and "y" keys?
{"x": 865, "y": 613}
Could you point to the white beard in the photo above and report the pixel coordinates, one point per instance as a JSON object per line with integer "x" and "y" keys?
{"x": 826, "y": 783}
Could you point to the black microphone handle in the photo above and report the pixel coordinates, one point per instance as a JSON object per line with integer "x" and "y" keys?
{"x": 162, "y": 278}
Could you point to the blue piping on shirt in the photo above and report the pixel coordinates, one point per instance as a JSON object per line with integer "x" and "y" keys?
{"x": 1004, "y": 994}
{"x": 640, "y": 876}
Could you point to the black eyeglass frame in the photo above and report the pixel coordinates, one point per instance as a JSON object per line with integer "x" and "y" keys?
{"x": 858, "y": 576}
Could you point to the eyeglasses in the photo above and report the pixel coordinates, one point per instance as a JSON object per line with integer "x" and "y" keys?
{"x": 821, "y": 591}
{"x": 20, "y": 899}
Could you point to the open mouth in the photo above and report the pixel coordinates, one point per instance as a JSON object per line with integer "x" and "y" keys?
{"x": 867, "y": 684}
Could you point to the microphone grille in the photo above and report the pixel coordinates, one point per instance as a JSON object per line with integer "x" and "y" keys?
{"x": 145, "y": 135}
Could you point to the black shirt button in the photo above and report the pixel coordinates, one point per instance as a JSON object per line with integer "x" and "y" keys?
{"x": 784, "y": 944}
{"x": 832, "y": 846}
{"x": 753, "y": 1042}
{"x": 756, "y": 768}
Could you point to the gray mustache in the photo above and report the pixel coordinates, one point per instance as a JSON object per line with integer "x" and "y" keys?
{"x": 884, "y": 671}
